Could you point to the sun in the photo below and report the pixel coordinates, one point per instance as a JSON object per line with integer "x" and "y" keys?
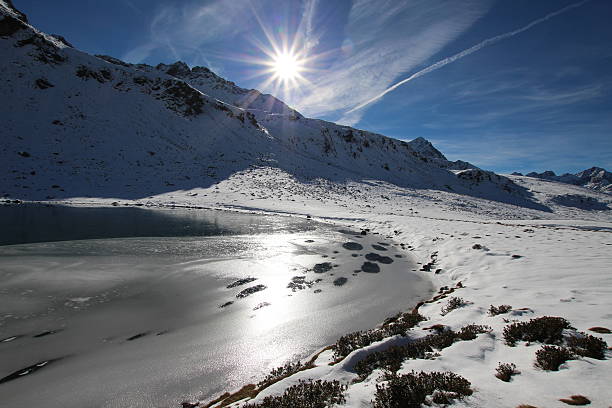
{"x": 286, "y": 66}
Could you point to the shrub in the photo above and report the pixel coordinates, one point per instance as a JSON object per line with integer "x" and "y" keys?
{"x": 398, "y": 324}
{"x": 548, "y": 330}
{"x": 588, "y": 346}
{"x": 393, "y": 357}
{"x": 470, "y": 332}
{"x": 306, "y": 394}
{"x": 551, "y": 357}
{"x": 412, "y": 390}
{"x": 505, "y": 371}
{"x": 497, "y": 310}
{"x": 279, "y": 373}
{"x": 356, "y": 340}
{"x": 453, "y": 303}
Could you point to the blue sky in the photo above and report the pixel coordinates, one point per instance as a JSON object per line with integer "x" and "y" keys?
{"x": 537, "y": 100}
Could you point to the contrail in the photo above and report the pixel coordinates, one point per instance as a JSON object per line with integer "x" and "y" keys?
{"x": 469, "y": 51}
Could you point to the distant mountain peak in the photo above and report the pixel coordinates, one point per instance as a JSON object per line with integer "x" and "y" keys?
{"x": 425, "y": 147}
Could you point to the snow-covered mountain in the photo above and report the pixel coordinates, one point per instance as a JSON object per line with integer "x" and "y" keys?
{"x": 81, "y": 125}
{"x": 594, "y": 178}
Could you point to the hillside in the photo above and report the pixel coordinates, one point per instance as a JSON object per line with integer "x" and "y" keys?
{"x": 85, "y": 126}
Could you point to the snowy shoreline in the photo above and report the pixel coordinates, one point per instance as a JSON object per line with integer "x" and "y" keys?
{"x": 561, "y": 269}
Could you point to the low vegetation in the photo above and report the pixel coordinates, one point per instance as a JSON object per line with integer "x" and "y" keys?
{"x": 505, "y": 371}
{"x": 497, "y": 310}
{"x": 549, "y": 358}
{"x": 586, "y": 345}
{"x": 398, "y": 324}
{"x": 547, "y": 330}
{"x": 393, "y": 357}
{"x": 279, "y": 373}
{"x": 414, "y": 389}
{"x": 306, "y": 394}
{"x": 452, "y": 304}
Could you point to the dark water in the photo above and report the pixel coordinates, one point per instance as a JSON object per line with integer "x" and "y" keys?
{"x": 30, "y": 223}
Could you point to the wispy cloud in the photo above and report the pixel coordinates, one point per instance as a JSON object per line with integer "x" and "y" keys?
{"x": 186, "y": 28}
{"x": 465, "y": 53}
{"x": 384, "y": 39}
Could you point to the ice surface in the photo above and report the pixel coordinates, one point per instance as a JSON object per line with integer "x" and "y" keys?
{"x": 135, "y": 321}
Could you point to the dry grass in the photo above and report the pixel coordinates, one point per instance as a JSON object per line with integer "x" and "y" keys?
{"x": 248, "y": 391}
{"x": 576, "y": 400}
{"x": 526, "y": 406}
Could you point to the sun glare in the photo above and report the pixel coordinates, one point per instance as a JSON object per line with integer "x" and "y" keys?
{"x": 286, "y": 66}
{"x": 286, "y": 60}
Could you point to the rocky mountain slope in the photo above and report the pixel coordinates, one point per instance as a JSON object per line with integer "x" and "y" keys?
{"x": 594, "y": 178}
{"x": 94, "y": 126}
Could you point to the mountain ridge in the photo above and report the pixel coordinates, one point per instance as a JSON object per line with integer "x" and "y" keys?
{"x": 81, "y": 125}
{"x": 594, "y": 178}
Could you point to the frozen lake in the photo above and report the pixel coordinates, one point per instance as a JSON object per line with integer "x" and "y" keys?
{"x": 117, "y": 307}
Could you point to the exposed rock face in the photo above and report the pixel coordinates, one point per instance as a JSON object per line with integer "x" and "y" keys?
{"x": 8, "y": 6}
{"x": 9, "y": 25}
{"x": 428, "y": 153}
{"x": 213, "y": 85}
